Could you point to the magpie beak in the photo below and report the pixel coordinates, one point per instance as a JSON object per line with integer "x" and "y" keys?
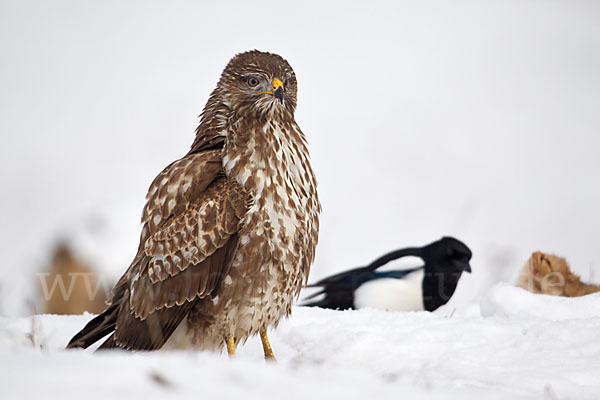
{"x": 461, "y": 265}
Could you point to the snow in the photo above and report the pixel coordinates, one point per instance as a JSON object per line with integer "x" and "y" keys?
{"x": 508, "y": 300}
{"x": 473, "y": 119}
{"x": 519, "y": 345}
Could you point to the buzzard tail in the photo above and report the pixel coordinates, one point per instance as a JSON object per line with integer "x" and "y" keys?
{"x": 96, "y": 329}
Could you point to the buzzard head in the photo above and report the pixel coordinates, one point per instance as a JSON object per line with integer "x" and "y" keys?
{"x": 259, "y": 84}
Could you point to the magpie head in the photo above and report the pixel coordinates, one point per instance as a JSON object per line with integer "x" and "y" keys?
{"x": 448, "y": 254}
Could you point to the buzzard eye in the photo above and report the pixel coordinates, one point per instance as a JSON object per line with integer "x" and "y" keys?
{"x": 252, "y": 82}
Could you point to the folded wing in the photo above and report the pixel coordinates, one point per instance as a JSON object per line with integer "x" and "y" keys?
{"x": 188, "y": 241}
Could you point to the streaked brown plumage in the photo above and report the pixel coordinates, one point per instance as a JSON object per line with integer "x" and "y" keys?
{"x": 229, "y": 231}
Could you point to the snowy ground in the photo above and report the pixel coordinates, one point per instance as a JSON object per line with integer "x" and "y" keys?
{"x": 513, "y": 345}
{"x": 424, "y": 118}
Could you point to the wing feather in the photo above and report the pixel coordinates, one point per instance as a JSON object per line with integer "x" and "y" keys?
{"x": 188, "y": 241}
{"x": 177, "y": 295}
{"x": 195, "y": 263}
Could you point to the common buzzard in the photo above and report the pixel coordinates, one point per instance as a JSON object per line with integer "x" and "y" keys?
{"x": 229, "y": 230}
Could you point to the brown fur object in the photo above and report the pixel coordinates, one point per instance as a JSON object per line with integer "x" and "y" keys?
{"x": 70, "y": 287}
{"x": 550, "y": 274}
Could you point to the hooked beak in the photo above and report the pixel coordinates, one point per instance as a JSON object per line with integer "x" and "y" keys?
{"x": 278, "y": 90}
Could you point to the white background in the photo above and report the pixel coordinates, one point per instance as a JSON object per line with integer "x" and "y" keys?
{"x": 473, "y": 119}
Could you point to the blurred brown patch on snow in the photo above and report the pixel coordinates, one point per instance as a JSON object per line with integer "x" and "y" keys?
{"x": 70, "y": 285}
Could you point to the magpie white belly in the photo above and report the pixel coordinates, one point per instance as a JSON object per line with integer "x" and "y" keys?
{"x": 392, "y": 294}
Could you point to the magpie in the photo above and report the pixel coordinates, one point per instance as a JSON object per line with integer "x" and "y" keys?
{"x": 425, "y": 287}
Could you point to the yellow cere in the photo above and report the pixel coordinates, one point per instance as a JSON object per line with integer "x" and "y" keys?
{"x": 276, "y": 85}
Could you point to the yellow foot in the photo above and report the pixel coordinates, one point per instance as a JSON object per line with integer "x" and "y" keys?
{"x": 266, "y": 345}
{"x": 230, "y": 347}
